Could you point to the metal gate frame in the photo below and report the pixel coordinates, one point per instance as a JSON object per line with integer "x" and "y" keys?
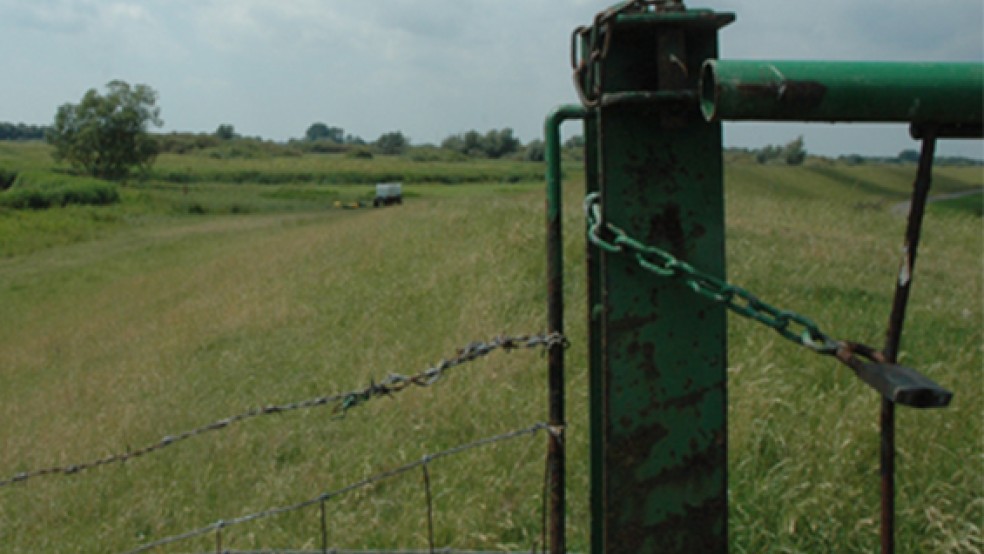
{"x": 653, "y": 95}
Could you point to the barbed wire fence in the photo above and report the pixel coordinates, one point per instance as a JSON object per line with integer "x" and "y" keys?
{"x": 342, "y": 403}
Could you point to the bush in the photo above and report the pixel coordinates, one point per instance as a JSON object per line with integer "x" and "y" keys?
{"x": 38, "y": 191}
{"x": 7, "y": 178}
{"x": 183, "y": 143}
{"x": 320, "y": 146}
{"x": 535, "y": 151}
{"x": 359, "y": 153}
{"x": 435, "y": 154}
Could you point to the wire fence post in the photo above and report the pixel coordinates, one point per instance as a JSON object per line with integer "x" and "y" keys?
{"x": 324, "y": 528}
{"x": 903, "y": 285}
{"x": 430, "y": 505}
{"x": 555, "y": 316}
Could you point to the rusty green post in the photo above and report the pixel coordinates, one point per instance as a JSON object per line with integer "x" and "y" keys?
{"x": 658, "y": 399}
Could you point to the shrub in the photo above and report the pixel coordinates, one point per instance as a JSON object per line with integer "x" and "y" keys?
{"x": 359, "y": 153}
{"x": 320, "y": 146}
{"x": 39, "y": 190}
{"x": 434, "y": 154}
{"x": 7, "y": 178}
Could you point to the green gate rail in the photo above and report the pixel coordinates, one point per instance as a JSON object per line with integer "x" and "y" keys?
{"x": 938, "y": 93}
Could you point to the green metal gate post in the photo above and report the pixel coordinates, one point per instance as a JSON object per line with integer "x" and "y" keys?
{"x": 658, "y": 399}
{"x": 646, "y": 71}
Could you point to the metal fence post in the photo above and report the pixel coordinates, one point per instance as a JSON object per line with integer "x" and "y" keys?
{"x": 658, "y": 400}
{"x": 556, "y": 463}
{"x": 920, "y": 194}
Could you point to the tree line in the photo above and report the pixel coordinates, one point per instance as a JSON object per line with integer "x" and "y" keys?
{"x": 108, "y": 136}
{"x": 21, "y": 131}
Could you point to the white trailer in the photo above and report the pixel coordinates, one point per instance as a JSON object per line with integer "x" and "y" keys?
{"x": 388, "y": 194}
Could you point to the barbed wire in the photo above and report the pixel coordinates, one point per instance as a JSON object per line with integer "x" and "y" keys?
{"x": 389, "y": 386}
{"x": 218, "y": 526}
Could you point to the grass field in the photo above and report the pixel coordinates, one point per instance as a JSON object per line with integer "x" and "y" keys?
{"x": 192, "y": 301}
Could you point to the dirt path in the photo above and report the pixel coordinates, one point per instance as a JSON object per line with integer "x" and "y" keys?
{"x": 902, "y": 208}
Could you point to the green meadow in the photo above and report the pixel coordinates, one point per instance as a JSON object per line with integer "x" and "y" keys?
{"x": 215, "y": 286}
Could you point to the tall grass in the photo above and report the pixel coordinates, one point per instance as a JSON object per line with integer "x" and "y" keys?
{"x": 804, "y": 436}
{"x": 37, "y": 190}
{"x": 163, "y": 321}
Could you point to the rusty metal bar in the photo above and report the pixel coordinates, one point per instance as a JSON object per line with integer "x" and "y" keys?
{"x": 937, "y": 93}
{"x": 555, "y": 315}
{"x": 893, "y": 337}
{"x": 659, "y": 450}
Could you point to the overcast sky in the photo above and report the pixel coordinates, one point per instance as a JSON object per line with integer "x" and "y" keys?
{"x": 429, "y": 68}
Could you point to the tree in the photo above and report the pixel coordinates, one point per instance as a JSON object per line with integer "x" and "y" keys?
{"x": 494, "y": 144}
{"x": 794, "y": 153}
{"x": 535, "y": 151}
{"x": 392, "y": 143}
{"x": 909, "y": 156}
{"x": 320, "y": 131}
{"x": 499, "y": 143}
{"x": 767, "y": 153}
{"x": 107, "y": 136}
{"x": 576, "y": 141}
{"x": 20, "y": 131}
{"x": 225, "y": 131}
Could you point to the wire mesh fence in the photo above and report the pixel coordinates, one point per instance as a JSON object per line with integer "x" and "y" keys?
{"x": 341, "y": 403}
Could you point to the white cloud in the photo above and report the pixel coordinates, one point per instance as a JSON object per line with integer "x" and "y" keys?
{"x": 427, "y": 67}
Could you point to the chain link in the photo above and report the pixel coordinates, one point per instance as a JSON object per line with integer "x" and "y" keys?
{"x": 790, "y": 325}
{"x": 589, "y": 69}
{"x": 343, "y": 402}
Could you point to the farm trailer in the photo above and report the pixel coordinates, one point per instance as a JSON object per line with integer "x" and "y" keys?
{"x": 388, "y": 194}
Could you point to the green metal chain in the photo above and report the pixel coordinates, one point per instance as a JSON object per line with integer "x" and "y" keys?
{"x": 790, "y": 325}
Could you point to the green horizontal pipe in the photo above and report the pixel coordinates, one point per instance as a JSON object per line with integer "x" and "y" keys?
{"x": 930, "y": 93}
